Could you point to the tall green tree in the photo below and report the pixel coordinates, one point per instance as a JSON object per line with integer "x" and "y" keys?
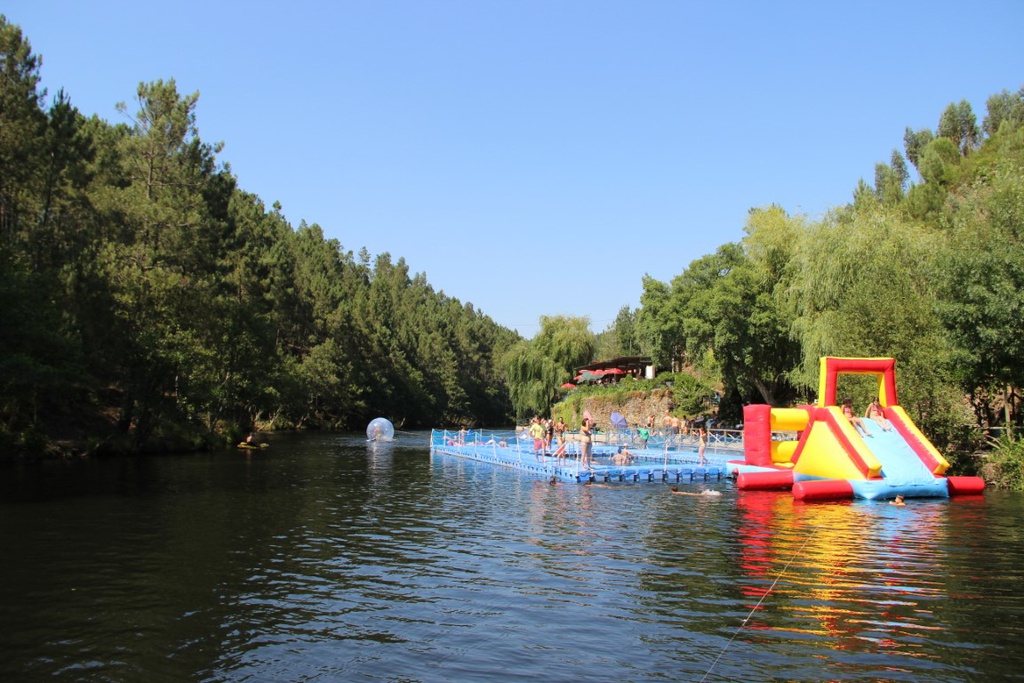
{"x": 981, "y": 274}
{"x": 1004, "y": 107}
{"x": 914, "y": 142}
{"x": 959, "y": 125}
{"x": 722, "y": 313}
{"x": 620, "y": 338}
{"x": 22, "y": 133}
{"x": 658, "y": 327}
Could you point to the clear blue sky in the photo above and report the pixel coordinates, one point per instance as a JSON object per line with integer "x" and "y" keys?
{"x": 538, "y": 157}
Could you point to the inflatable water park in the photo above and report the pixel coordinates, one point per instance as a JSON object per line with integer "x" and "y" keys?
{"x": 831, "y": 459}
{"x": 816, "y": 451}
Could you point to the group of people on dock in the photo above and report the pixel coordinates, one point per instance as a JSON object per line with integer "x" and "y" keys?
{"x": 544, "y": 432}
{"x": 547, "y": 432}
{"x": 549, "y": 438}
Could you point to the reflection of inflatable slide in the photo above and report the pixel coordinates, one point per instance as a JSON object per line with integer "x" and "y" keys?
{"x": 829, "y": 460}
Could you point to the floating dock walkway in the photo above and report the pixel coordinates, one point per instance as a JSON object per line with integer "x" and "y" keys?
{"x": 668, "y": 464}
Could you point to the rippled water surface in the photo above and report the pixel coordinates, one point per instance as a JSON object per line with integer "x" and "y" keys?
{"x": 324, "y": 559}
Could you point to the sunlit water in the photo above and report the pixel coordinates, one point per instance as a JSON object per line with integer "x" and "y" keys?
{"x": 324, "y": 558}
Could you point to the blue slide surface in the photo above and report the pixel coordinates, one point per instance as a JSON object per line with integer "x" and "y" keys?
{"x": 900, "y": 465}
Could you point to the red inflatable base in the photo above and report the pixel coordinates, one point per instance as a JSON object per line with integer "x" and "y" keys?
{"x": 823, "y": 489}
{"x": 781, "y": 480}
{"x": 965, "y": 486}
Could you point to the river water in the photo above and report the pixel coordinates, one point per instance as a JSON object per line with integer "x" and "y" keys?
{"x": 323, "y": 558}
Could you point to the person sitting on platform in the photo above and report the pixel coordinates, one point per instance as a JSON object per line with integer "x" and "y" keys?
{"x": 877, "y": 413}
{"x": 858, "y": 424}
{"x": 623, "y": 457}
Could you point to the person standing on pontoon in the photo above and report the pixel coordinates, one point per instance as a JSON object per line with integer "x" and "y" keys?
{"x": 702, "y": 437}
{"x": 560, "y": 428}
{"x": 585, "y": 443}
{"x": 537, "y": 432}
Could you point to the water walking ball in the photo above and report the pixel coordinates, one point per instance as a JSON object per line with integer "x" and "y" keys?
{"x": 380, "y": 429}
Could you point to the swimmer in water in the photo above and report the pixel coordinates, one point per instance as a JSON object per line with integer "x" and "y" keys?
{"x": 703, "y": 492}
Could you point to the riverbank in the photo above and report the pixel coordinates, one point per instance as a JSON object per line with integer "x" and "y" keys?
{"x": 95, "y": 432}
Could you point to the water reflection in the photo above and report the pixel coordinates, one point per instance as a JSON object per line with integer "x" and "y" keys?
{"x": 862, "y": 580}
{"x": 325, "y": 557}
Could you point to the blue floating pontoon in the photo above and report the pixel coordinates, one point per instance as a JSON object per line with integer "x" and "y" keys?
{"x": 509, "y": 449}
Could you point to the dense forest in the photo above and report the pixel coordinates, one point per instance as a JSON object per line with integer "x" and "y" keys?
{"x": 150, "y": 302}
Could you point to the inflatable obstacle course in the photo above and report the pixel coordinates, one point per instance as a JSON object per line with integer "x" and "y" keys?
{"x": 828, "y": 459}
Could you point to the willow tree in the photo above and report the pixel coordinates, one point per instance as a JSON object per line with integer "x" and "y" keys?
{"x": 863, "y": 285}
{"x": 535, "y": 369}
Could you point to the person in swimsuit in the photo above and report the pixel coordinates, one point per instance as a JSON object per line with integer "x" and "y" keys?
{"x": 624, "y": 456}
{"x": 703, "y": 492}
{"x": 702, "y": 436}
{"x": 858, "y": 424}
{"x": 537, "y": 432}
{"x": 876, "y": 413}
{"x": 585, "y": 445}
{"x": 560, "y": 428}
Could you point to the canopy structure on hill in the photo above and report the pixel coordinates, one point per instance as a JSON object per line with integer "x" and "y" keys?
{"x": 626, "y": 365}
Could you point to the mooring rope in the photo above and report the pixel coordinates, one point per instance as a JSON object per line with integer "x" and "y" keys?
{"x": 758, "y": 605}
